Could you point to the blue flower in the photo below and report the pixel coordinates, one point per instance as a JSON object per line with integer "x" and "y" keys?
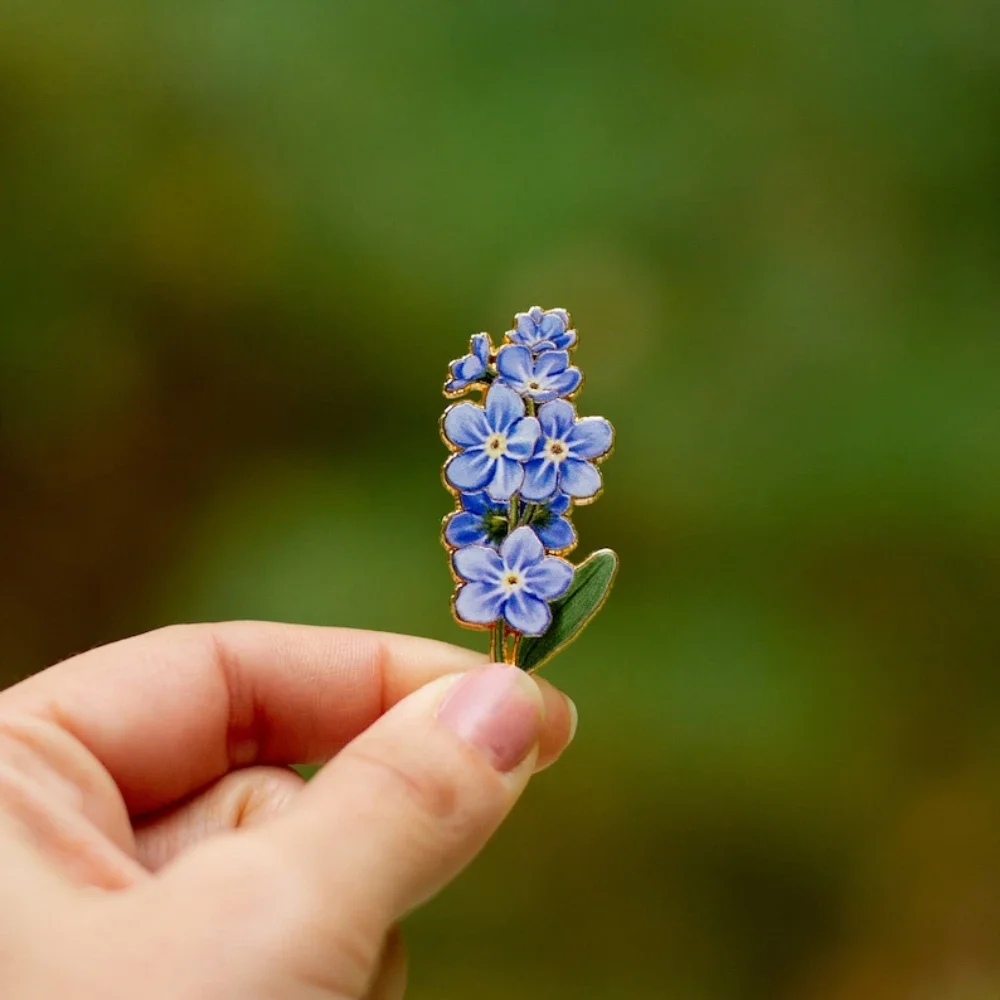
{"x": 552, "y": 526}
{"x": 515, "y": 583}
{"x": 470, "y": 369}
{"x": 483, "y": 521}
{"x": 543, "y": 330}
{"x": 546, "y": 377}
{"x": 495, "y": 440}
{"x": 564, "y": 454}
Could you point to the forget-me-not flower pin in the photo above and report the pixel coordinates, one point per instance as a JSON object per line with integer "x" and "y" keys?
{"x": 542, "y": 330}
{"x": 515, "y": 583}
{"x": 495, "y": 439}
{"x": 547, "y": 376}
{"x": 564, "y": 455}
{"x": 522, "y": 460}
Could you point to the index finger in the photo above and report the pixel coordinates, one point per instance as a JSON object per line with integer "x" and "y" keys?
{"x": 168, "y": 712}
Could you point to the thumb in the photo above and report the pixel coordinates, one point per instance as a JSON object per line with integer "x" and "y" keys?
{"x": 412, "y": 800}
{"x": 402, "y": 809}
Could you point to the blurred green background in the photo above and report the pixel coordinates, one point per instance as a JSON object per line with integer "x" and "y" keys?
{"x": 239, "y": 242}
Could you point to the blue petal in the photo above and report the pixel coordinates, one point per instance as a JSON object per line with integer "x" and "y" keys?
{"x": 591, "y": 437}
{"x": 470, "y": 368}
{"x": 456, "y": 368}
{"x": 566, "y": 382}
{"x": 527, "y": 614}
{"x": 549, "y": 579}
{"x": 551, "y": 363}
{"x": 559, "y": 504}
{"x": 557, "y": 534}
{"x": 454, "y": 385}
{"x": 540, "y": 479}
{"x": 469, "y": 470}
{"x": 564, "y": 341}
{"x": 464, "y": 528}
{"x": 556, "y": 418}
{"x": 465, "y": 425}
{"x": 478, "y": 564}
{"x": 503, "y": 407}
{"x": 579, "y": 479}
{"x": 506, "y": 479}
{"x": 521, "y": 548}
{"x": 514, "y": 363}
{"x": 527, "y": 329}
{"x": 522, "y": 438}
{"x": 479, "y": 603}
{"x": 481, "y": 348}
{"x": 553, "y": 323}
{"x": 476, "y": 503}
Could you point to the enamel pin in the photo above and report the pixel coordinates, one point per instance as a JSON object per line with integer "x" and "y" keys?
{"x": 521, "y": 461}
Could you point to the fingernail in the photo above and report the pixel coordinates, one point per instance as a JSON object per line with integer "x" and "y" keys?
{"x": 498, "y": 710}
{"x": 574, "y": 717}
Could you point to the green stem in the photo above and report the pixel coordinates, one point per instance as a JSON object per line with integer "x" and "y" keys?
{"x": 496, "y": 642}
{"x": 529, "y": 507}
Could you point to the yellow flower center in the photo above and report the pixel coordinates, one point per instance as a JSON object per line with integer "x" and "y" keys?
{"x": 555, "y": 451}
{"x": 512, "y": 581}
{"x": 496, "y": 445}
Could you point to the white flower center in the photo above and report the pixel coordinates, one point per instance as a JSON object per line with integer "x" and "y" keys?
{"x": 496, "y": 445}
{"x": 512, "y": 582}
{"x": 555, "y": 450}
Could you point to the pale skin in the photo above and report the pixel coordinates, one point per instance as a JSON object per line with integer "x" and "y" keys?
{"x": 155, "y": 843}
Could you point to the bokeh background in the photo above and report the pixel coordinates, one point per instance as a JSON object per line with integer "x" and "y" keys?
{"x": 239, "y": 241}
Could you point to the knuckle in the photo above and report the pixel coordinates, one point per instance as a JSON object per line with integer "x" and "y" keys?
{"x": 430, "y": 791}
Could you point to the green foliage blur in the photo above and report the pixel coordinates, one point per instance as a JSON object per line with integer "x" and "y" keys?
{"x": 239, "y": 242}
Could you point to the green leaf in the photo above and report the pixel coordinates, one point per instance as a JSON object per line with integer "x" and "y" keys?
{"x": 573, "y": 611}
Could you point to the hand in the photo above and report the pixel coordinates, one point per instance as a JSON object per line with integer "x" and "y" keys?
{"x": 154, "y": 842}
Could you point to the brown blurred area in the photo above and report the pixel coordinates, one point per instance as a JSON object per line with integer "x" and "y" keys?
{"x": 239, "y": 244}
